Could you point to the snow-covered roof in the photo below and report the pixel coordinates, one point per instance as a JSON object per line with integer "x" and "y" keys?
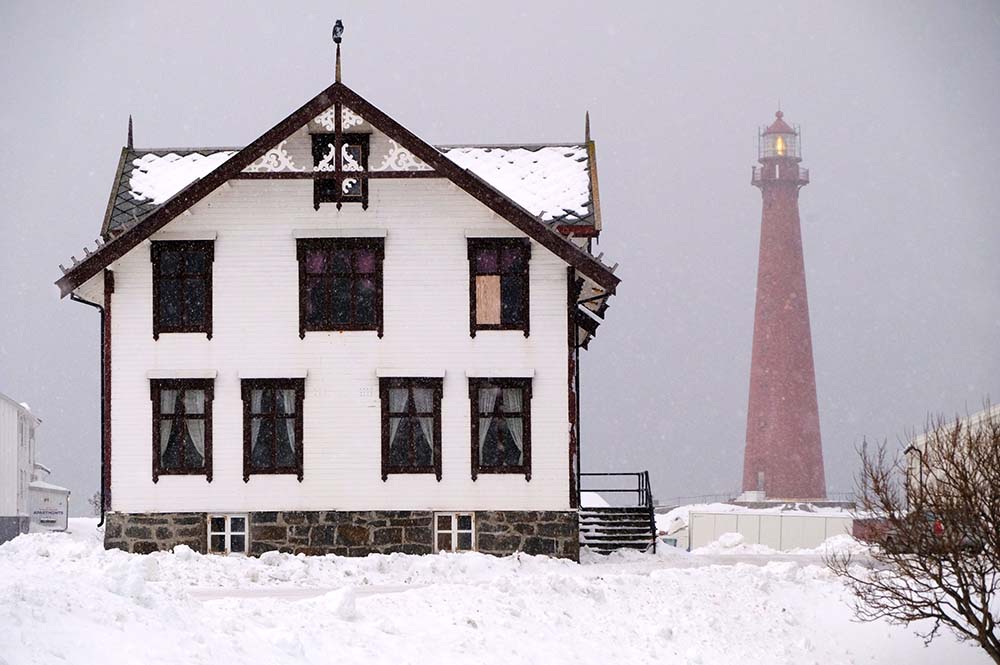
{"x": 155, "y": 178}
{"x": 147, "y": 178}
{"x": 552, "y": 182}
{"x": 42, "y": 485}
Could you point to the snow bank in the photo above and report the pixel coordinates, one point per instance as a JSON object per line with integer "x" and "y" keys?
{"x": 63, "y": 598}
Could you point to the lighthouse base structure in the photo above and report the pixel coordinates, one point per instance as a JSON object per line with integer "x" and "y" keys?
{"x": 783, "y": 459}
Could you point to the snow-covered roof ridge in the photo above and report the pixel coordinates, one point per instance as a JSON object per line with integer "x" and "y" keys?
{"x": 552, "y": 182}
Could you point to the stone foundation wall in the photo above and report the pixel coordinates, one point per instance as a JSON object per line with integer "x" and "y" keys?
{"x": 347, "y": 533}
{"x": 142, "y": 533}
{"x": 351, "y": 533}
{"x": 555, "y": 533}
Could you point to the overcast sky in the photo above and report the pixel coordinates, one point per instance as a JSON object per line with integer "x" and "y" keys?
{"x": 898, "y": 104}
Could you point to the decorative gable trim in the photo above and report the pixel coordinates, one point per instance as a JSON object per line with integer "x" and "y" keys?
{"x": 340, "y": 95}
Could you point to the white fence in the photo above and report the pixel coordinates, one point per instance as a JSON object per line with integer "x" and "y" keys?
{"x": 779, "y": 531}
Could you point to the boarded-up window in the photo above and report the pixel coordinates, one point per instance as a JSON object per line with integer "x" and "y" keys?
{"x": 487, "y": 300}
{"x": 498, "y": 289}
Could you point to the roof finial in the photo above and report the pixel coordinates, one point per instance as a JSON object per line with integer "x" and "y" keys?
{"x": 338, "y": 35}
{"x": 586, "y": 128}
{"x": 129, "y": 131}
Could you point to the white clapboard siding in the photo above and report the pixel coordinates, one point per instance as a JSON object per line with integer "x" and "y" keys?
{"x": 17, "y": 458}
{"x": 255, "y": 328}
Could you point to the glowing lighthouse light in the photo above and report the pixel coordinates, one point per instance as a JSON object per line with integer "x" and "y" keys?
{"x": 779, "y": 145}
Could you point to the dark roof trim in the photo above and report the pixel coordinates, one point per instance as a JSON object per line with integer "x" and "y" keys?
{"x": 336, "y": 93}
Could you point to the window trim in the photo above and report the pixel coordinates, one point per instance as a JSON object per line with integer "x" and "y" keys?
{"x": 437, "y": 385}
{"x": 377, "y": 246}
{"x": 246, "y": 386}
{"x": 338, "y": 174}
{"x": 155, "y": 386}
{"x": 454, "y": 531}
{"x": 525, "y": 384}
{"x": 476, "y": 244}
{"x": 228, "y": 533}
{"x": 156, "y": 247}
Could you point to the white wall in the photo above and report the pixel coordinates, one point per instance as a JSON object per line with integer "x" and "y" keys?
{"x": 8, "y": 459}
{"x": 17, "y": 456}
{"x": 255, "y": 328}
{"x": 779, "y": 531}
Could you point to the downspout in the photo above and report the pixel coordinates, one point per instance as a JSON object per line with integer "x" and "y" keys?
{"x": 99, "y": 308}
{"x": 579, "y": 447}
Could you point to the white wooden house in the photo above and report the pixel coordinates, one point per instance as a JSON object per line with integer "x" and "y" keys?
{"x": 341, "y": 338}
{"x": 17, "y": 463}
{"x": 27, "y": 503}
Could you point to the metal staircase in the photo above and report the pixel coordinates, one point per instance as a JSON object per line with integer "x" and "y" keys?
{"x": 607, "y": 529}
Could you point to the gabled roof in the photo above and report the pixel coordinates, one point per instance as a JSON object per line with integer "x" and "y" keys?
{"x": 159, "y": 213}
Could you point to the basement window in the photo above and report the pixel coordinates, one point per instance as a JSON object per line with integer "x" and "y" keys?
{"x": 227, "y": 534}
{"x": 454, "y": 532}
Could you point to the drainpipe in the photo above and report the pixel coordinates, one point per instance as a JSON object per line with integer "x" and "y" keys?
{"x": 579, "y": 417}
{"x": 99, "y": 308}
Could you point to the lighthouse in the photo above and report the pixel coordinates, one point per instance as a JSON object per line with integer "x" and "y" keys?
{"x": 783, "y": 458}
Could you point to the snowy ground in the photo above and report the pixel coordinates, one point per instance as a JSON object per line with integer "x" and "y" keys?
{"x": 64, "y": 599}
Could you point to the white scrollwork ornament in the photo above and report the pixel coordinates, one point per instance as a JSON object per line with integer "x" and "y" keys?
{"x": 326, "y": 164}
{"x": 400, "y": 159}
{"x": 349, "y": 118}
{"x": 328, "y": 119}
{"x": 275, "y": 159}
{"x": 350, "y": 163}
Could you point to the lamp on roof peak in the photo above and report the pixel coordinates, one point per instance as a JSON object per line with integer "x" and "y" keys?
{"x": 338, "y": 36}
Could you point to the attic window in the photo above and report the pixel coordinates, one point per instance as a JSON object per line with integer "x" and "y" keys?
{"x": 342, "y": 180}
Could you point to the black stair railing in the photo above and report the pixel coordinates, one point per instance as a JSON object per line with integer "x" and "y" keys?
{"x": 642, "y": 491}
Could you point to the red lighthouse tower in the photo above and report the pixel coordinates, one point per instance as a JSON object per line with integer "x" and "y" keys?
{"x": 783, "y": 457}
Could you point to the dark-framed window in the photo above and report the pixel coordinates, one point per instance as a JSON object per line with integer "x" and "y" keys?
{"x": 498, "y": 284}
{"x": 340, "y": 284}
{"x": 411, "y": 425}
{"x": 343, "y": 180}
{"x": 182, "y": 427}
{"x": 182, "y": 286}
{"x": 501, "y": 426}
{"x": 272, "y": 426}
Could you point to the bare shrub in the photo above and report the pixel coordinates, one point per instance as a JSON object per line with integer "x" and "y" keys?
{"x": 932, "y": 518}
